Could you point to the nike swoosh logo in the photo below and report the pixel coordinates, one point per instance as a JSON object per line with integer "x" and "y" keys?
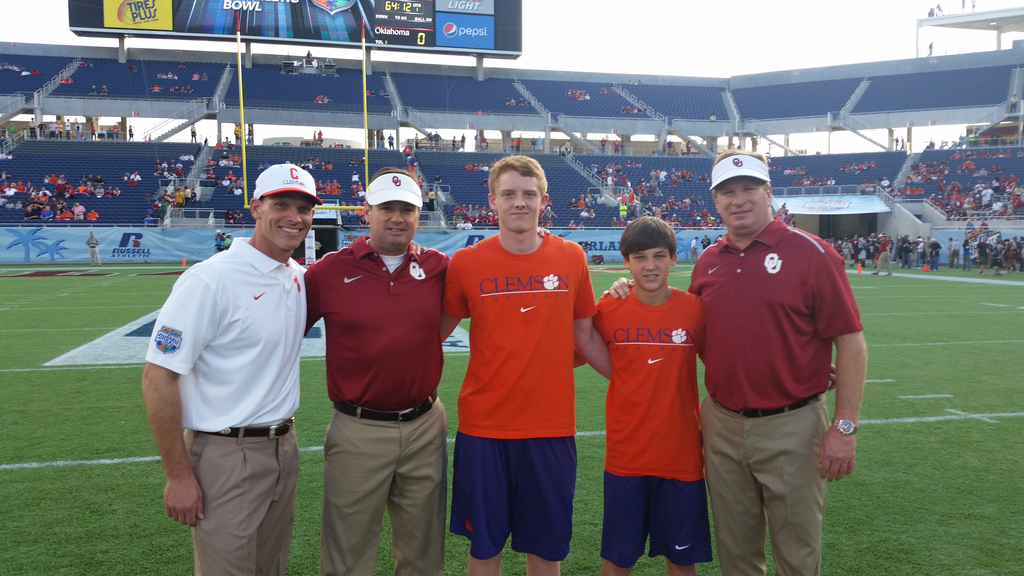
{"x": 527, "y": 309}
{"x": 258, "y": 297}
{"x": 649, "y": 361}
{"x": 347, "y": 279}
{"x": 684, "y": 547}
{"x": 715, "y": 268}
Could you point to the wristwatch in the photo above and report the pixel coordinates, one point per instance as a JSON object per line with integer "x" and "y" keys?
{"x": 845, "y": 427}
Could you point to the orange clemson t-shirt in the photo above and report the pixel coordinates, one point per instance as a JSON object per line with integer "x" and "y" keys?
{"x": 519, "y": 383}
{"x": 652, "y": 411}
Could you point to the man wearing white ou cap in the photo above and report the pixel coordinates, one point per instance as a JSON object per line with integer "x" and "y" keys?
{"x": 223, "y": 364}
{"x": 386, "y": 446}
{"x": 776, "y": 300}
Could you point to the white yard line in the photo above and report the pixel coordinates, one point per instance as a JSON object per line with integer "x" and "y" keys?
{"x": 871, "y": 381}
{"x": 928, "y": 396}
{"x": 955, "y": 415}
{"x": 951, "y": 279}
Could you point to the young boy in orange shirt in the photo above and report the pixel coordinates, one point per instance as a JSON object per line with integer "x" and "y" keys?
{"x": 654, "y": 463}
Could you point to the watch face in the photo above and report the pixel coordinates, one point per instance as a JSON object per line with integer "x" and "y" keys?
{"x": 846, "y": 427}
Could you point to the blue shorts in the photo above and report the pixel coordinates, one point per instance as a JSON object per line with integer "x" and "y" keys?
{"x": 519, "y": 487}
{"x": 673, "y": 512}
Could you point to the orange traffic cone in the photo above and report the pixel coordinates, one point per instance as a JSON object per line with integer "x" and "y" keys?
{"x": 925, "y": 268}
{"x": 858, "y": 267}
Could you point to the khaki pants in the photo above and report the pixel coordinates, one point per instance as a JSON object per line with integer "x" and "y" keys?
{"x": 370, "y": 465}
{"x": 94, "y": 256}
{"x": 883, "y": 258}
{"x": 249, "y": 487}
{"x": 762, "y": 473}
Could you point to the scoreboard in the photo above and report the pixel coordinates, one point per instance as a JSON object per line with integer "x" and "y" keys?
{"x": 491, "y": 28}
{"x": 404, "y": 23}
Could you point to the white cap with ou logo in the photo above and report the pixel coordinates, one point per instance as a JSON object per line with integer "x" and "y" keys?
{"x": 394, "y": 186}
{"x": 739, "y": 165}
{"x": 285, "y": 178}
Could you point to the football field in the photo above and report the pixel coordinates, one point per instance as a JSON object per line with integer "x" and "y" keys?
{"x": 937, "y": 488}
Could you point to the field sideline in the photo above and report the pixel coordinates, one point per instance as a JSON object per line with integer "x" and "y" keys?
{"x": 936, "y": 488}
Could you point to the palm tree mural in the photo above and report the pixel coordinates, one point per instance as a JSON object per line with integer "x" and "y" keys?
{"x": 28, "y": 240}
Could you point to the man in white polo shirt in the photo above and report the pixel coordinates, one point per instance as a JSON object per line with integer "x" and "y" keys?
{"x": 223, "y": 364}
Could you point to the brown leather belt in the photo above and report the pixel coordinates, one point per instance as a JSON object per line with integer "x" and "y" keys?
{"x": 400, "y": 416}
{"x": 270, "y": 432}
{"x": 774, "y": 411}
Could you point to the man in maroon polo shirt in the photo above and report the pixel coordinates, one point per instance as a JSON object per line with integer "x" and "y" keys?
{"x": 776, "y": 301}
{"x": 386, "y": 445}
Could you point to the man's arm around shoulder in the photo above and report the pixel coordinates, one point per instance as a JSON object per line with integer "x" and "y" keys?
{"x": 183, "y": 498}
{"x": 838, "y": 452}
{"x": 591, "y": 345}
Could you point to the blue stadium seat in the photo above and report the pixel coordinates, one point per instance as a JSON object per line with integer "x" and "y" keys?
{"x": 430, "y": 92}
{"x": 12, "y": 81}
{"x": 684, "y": 102}
{"x": 936, "y": 90}
{"x": 797, "y": 100}
{"x": 120, "y": 83}
{"x": 553, "y": 94}
{"x": 265, "y": 86}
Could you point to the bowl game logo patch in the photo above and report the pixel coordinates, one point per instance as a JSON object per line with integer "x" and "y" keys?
{"x": 168, "y": 340}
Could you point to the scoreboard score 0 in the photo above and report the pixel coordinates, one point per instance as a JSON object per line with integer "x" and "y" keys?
{"x": 404, "y": 23}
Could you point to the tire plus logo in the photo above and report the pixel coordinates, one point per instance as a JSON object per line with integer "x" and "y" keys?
{"x": 137, "y": 11}
{"x": 130, "y": 247}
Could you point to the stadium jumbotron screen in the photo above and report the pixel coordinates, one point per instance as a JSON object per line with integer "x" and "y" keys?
{"x": 488, "y": 27}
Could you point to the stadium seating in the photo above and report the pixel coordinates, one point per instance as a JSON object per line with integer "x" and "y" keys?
{"x": 936, "y": 90}
{"x": 220, "y": 200}
{"x": 264, "y": 86}
{"x": 35, "y": 159}
{"x": 430, "y": 92}
{"x": 467, "y": 187}
{"x": 99, "y": 72}
{"x": 554, "y": 95}
{"x": 824, "y": 166}
{"x": 684, "y": 102}
{"x": 12, "y": 81}
{"x": 796, "y": 100}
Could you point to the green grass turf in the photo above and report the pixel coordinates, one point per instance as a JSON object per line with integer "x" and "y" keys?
{"x": 928, "y": 498}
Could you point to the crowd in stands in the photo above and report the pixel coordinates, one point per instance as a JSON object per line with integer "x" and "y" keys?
{"x": 578, "y": 94}
{"x": 19, "y": 70}
{"x": 520, "y": 102}
{"x": 994, "y": 195}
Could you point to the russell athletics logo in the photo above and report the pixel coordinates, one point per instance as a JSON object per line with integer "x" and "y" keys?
{"x": 130, "y": 247}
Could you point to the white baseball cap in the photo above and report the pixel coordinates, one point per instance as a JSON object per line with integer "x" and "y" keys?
{"x": 285, "y": 178}
{"x": 394, "y": 186}
{"x": 739, "y": 165}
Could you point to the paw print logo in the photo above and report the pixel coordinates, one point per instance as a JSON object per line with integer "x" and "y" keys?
{"x": 551, "y": 282}
{"x": 679, "y": 336}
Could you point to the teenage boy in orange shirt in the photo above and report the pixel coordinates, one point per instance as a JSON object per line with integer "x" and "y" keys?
{"x": 654, "y": 463}
{"x": 531, "y": 303}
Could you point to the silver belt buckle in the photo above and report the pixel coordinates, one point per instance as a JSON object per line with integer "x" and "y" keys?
{"x": 225, "y": 431}
{"x": 273, "y": 432}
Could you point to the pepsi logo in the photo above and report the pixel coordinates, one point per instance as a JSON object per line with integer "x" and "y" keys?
{"x": 737, "y": 162}
{"x": 396, "y": 181}
{"x": 450, "y": 29}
